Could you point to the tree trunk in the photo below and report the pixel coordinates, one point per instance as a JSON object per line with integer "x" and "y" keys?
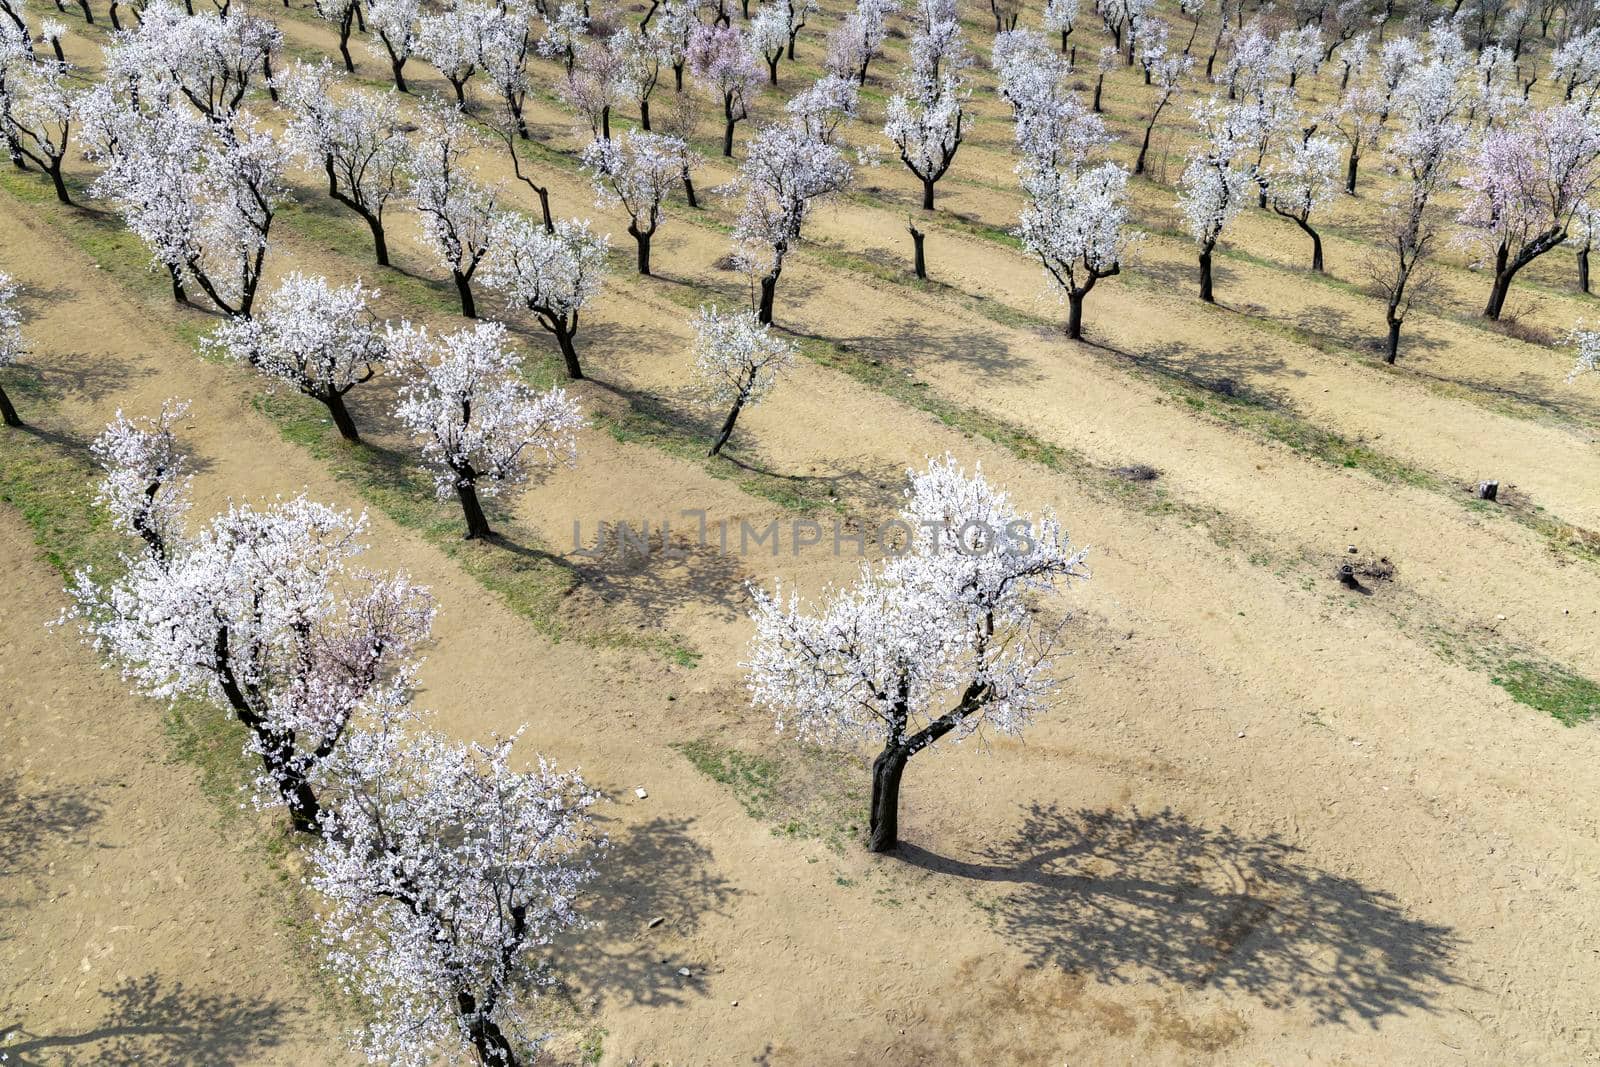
{"x": 1144, "y": 147}
{"x": 1205, "y": 277}
{"x": 8, "y": 414}
{"x": 1393, "y": 348}
{"x": 178, "y": 294}
{"x": 544, "y": 207}
{"x": 605, "y": 122}
{"x": 772, "y": 69}
{"x": 398, "y": 67}
{"x": 688, "y": 189}
{"x": 569, "y": 354}
{"x": 1350, "y": 172}
{"x": 644, "y": 114}
{"x": 919, "y": 261}
{"x": 487, "y": 1041}
{"x": 1316, "y": 243}
{"x": 1098, "y": 85}
{"x": 380, "y": 243}
{"x": 1075, "y": 313}
{"x": 1583, "y": 268}
{"x": 1498, "y": 292}
{"x": 341, "y": 417}
{"x": 927, "y": 195}
{"x": 344, "y": 41}
{"x": 884, "y": 832}
{"x": 477, "y": 522}
{"x": 642, "y": 237}
{"x": 769, "y": 287}
{"x": 727, "y": 139}
{"x": 59, "y": 182}
{"x": 88, "y": 16}
{"x": 469, "y": 307}
{"x": 727, "y": 427}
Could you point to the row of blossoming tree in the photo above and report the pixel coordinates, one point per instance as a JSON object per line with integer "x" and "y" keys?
{"x": 1439, "y": 114}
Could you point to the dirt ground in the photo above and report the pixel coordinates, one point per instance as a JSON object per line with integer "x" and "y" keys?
{"x": 1273, "y": 820}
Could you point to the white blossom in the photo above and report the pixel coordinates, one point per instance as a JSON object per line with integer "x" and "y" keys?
{"x": 737, "y": 361}
{"x": 146, "y": 485}
{"x": 483, "y": 429}
{"x": 322, "y": 340}
{"x": 447, "y": 870}
{"x": 943, "y": 639}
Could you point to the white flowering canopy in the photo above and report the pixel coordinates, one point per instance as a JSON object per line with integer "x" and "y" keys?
{"x": 944, "y": 638}
{"x": 321, "y": 339}
{"x": 12, "y": 345}
{"x": 448, "y": 869}
{"x": 737, "y": 360}
{"x": 480, "y": 424}
{"x": 146, "y": 485}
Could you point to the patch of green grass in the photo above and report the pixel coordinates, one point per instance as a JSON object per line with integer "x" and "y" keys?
{"x": 1551, "y": 688}
{"x": 591, "y": 1048}
{"x": 802, "y": 791}
{"x": 752, "y": 778}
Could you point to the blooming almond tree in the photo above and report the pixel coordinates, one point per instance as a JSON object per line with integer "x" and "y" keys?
{"x": 720, "y": 57}
{"x": 355, "y": 139}
{"x": 1304, "y": 177}
{"x": 504, "y": 45}
{"x": 786, "y": 173}
{"x": 553, "y": 273}
{"x": 599, "y": 82}
{"x": 1527, "y": 180}
{"x": 201, "y": 195}
{"x": 1214, "y": 185}
{"x": 452, "y": 41}
{"x": 12, "y": 345}
{"x": 1434, "y": 103}
{"x": 769, "y": 35}
{"x": 637, "y": 171}
{"x": 343, "y": 14}
{"x": 1061, "y": 16}
{"x": 1053, "y": 129}
{"x": 447, "y": 870}
{"x": 924, "y": 118}
{"x": 943, "y": 639}
{"x": 36, "y": 114}
{"x": 643, "y": 55}
{"x": 858, "y": 39}
{"x": 457, "y": 211}
{"x": 827, "y": 104}
{"x": 1077, "y": 224}
{"x": 483, "y": 429}
{"x": 394, "y": 34}
{"x": 737, "y": 361}
{"x": 146, "y": 485}
{"x": 211, "y": 60}
{"x": 321, "y": 340}
{"x": 261, "y": 613}
{"x": 1165, "y": 70}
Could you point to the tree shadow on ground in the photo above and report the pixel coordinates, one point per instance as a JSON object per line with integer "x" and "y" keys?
{"x": 909, "y": 345}
{"x": 656, "y": 869}
{"x": 1227, "y": 374}
{"x": 1124, "y": 897}
{"x": 29, "y": 823}
{"x": 149, "y": 1020}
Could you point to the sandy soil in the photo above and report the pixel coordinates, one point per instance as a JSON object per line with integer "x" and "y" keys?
{"x": 1270, "y": 822}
